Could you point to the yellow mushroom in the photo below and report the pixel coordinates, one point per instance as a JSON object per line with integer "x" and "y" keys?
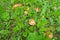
{"x": 27, "y": 8}
{"x": 25, "y": 12}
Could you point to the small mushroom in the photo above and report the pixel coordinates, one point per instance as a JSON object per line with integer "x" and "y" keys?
{"x": 25, "y": 12}
{"x": 54, "y": 8}
{"x": 50, "y": 35}
{"x": 36, "y": 9}
{"x": 27, "y": 8}
{"x": 16, "y": 5}
{"x": 32, "y": 22}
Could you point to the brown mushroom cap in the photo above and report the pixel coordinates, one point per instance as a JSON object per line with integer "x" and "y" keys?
{"x": 50, "y": 35}
{"x": 16, "y": 5}
{"x": 36, "y": 9}
{"x": 32, "y": 22}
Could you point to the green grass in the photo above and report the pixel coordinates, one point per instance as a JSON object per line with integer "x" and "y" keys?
{"x": 14, "y": 25}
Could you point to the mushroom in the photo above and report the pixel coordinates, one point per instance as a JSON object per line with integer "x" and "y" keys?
{"x": 32, "y": 22}
{"x": 16, "y": 5}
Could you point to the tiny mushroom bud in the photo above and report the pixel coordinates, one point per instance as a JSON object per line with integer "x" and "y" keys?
{"x": 27, "y": 8}
{"x": 54, "y": 8}
{"x": 25, "y": 12}
{"x": 50, "y": 35}
{"x": 37, "y": 9}
{"x": 32, "y": 22}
